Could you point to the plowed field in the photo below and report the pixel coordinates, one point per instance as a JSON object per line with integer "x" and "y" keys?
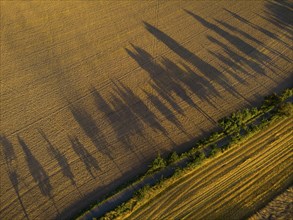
{"x": 91, "y": 91}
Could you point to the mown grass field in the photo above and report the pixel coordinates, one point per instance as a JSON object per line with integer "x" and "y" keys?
{"x": 233, "y": 185}
{"x": 91, "y": 91}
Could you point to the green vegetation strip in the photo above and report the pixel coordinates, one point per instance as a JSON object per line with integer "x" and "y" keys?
{"x": 234, "y": 128}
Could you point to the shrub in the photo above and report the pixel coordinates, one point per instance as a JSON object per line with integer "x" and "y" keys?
{"x": 254, "y": 111}
{"x": 160, "y": 183}
{"x": 125, "y": 207}
{"x": 174, "y": 157}
{"x": 198, "y": 156}
{"x": 270, "y": 102}
{"x": 178, "y": 172}
{"x": 225, "y": 147}
{"x": 157, "y": 164}
{"x": 214, "y": 136}
{"x": 285, "y": 109}
{"x": 231, "y": 124}
{"x": 286, "y": 94}
{"x": 141, "y": 193}
{"x": 214, "y": 150}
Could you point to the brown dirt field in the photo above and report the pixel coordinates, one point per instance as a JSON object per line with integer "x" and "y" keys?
{"x": 233, "y": 185}
{"x": 91, "y": 91}
{"x": 280, "y": 208}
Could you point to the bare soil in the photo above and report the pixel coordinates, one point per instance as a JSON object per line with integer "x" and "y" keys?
{"x": 280, "y": 208}
{"x": 91, "y": 91}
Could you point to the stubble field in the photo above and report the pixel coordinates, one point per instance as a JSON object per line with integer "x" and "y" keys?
{"x": 92, "y": 91}
{"x": 231, "y": 186}
{"x": 280, "y": 208}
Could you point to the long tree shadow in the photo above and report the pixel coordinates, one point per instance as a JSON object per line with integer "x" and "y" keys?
{"x": 139, "y": 112}
{"x": 168, "y": 78}
{"x": 200, "y": 87}
{"x": 163, "y": 109}
{"x": 187, "y": 78}
{"x": 251, "y": 38}
{"x": 91, "y": 129}
{"x": 235, "y": 57}
{"x": 264, "y": 31}
{"x": 89, "y": 161}
{"x": 131, "y": 126}
{"x": 237, "y": 42}
{"x": 176, "y": 78}
{"x": 122, "y": 120}
{"x": 197, "y": 84}
{"x": 256, "y": 27}
{"x": 287, "y": 33}
{"x": 116, "y": 112}
{"x": 10, "y": 156}
{"x": 166, "y": 112}
{"x": 61, "y": 159}
{"x": 38, "y": 173}
{"x": 280, "y": 12}
{"x": 128, "y": 114}
{"x": 228, "y": 63}
{"x": 207, "y": 69}
{"x": 14, "y": 179}
{"x": 246, "y": 35}
{"x": 233, "y": 60}
{"x": 162, "y": 84}
{"x": 8, "y": 151}
{"x": 139, "y": 109}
